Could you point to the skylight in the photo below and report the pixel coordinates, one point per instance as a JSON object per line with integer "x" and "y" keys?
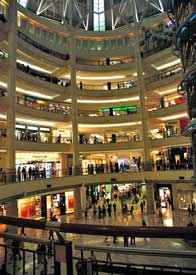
{"x": 23, "y": 3}
{"x": 98, "y": 15}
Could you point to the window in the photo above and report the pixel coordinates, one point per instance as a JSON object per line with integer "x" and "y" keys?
{"x": 23, "y": 3}
{"x": 99, "y": 15}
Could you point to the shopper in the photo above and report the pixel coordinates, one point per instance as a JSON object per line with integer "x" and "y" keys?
{"x": 15, "y": 250}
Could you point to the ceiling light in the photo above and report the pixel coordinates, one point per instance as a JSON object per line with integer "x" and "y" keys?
{"x": 168, "y": 91}
{"x": 97, "y": 77}
{"x": 37, "y": 68}
{"x": 108, "y": 125}
{"x": 105, "y": 101}
{"x": 34, "y": 122}
{"x": 174, "y": 117}
{"x": 167, "y": 65}
{"x": 32, "y": 93}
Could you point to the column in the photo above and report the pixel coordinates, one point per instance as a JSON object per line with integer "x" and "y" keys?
{"x": 141, "y": 89}
{"x": 11, "y": 86}
{"x": 150, "y": 198}
{"x": 175, "y": 197}
{"x": 64, "y": 164}
{"x": 77, "y": 203}
{"x": 83, "y": 197}
{"x": 12, "y": 207}
{"x": 74, "y": 105}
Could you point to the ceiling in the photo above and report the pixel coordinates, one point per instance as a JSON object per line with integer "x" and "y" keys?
{"x": 117, "y": 12}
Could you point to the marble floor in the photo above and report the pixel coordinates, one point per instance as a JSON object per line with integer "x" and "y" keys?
{"x": 170, "y": 218}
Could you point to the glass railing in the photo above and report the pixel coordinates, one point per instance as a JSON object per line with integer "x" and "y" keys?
{"x": 43, "y": 105}
{"x": 166, "y": 104}
{"x": 106, "y": 62}
{"x": 36, "y": 173}
{"x": 42, "y": 48}
{"x": 165, "y": 133}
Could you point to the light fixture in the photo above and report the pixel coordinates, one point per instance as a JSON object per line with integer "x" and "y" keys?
{"x": 31, "y": 93}
{"x": 93, "y": 126}
{"x": 30, "y": 121}
{"x": 105, "y": 101}
{"x": 167, "y": 65}
{"x": 168, "y": 91}
{"x": 174, "y": 117}
{"x": 108, "y": 78}
{"x": 37, "y": 68}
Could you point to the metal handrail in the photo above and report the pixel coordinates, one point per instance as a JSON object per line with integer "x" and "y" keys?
{"x": 137, "y": 251}
{"x": 105, "y": 230}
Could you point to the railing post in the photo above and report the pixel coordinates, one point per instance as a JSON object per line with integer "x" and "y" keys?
{"x": 63, "y": 254}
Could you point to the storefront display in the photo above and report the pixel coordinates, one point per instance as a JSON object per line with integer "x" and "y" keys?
{"x": 29, "y": 207}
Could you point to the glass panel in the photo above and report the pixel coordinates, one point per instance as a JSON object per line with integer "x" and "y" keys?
{"x": 37, "y": 31}
{"x": 51, "y": 37}
{"x": 30, "y": 28}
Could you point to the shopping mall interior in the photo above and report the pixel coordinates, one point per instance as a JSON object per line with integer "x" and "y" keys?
{"x": 97, "y": 122}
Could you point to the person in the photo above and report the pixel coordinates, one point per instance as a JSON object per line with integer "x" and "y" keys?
{"x": 144, "y": 224}
{"x": 114, "y": 208}
{"x": 132, "y": 240}
{"x": 126, "y": 244}
{"x": 41, "y": 249}
{"x": 189, "y": 210}
{"x": 131, "y": 210}
{"x": 142, "y": 207}
{"x": 160, "y": 216}
{"x": 94, "y": 210}
{"x": 15, "y": 249}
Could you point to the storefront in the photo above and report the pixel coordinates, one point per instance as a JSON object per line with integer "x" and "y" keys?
{"x": 60, "y": 203}
{"x": 42, "y": 206}
{"x": 186, "y": 197}
{"x": 30, "y": 207}
{"x": 163, "y": 195}
{"x": 51, "y": 162}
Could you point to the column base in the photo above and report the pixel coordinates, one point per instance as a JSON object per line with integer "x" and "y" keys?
{"x": 148, "y": 166}
{"x": 10, "y": 175}
{"x": 76, "y": 170}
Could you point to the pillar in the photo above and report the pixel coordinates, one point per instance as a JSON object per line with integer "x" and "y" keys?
{"x": 150, "y": 198}
{"x": 74, "y": 105}
{"x": 141, "y": 89}
{"x": 83, "y": 197}
{"x": 11, "y": 206}
{"x": 77, "y": 203}
{"x": 12, "y": 211}
{"x": 175, "y": 197}
{"x": 11, "y": 86}
{"x": 64, "y": 164}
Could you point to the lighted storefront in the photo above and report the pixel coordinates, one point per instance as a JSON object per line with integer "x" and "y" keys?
{"x": 51, "y": 162}
{"x": 42, "y": 206}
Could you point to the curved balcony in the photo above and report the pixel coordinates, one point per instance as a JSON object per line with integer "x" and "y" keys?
{"x": 104, "y": 120}
{"x": 167, "y": 111}
{"x": 173, "y": 141}
{"x": 29, "y": 45}
{"x": 31, "y": 106}
{"x": 40, "y": 185}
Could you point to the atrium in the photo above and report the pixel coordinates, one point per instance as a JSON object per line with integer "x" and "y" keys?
{"x": 97, "y": 104}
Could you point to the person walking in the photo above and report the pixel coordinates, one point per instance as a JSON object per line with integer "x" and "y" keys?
{"x": 189, "y": 210}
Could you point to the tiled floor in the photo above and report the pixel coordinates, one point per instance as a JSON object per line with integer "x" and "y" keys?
{"x": 170, "y": 218}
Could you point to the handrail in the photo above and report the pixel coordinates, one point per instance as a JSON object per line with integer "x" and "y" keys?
{"x": 105, "y": 230}
{"x": 137, "y": 251}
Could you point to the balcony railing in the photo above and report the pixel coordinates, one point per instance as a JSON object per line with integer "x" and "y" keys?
{"x": 36, "y": 173}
